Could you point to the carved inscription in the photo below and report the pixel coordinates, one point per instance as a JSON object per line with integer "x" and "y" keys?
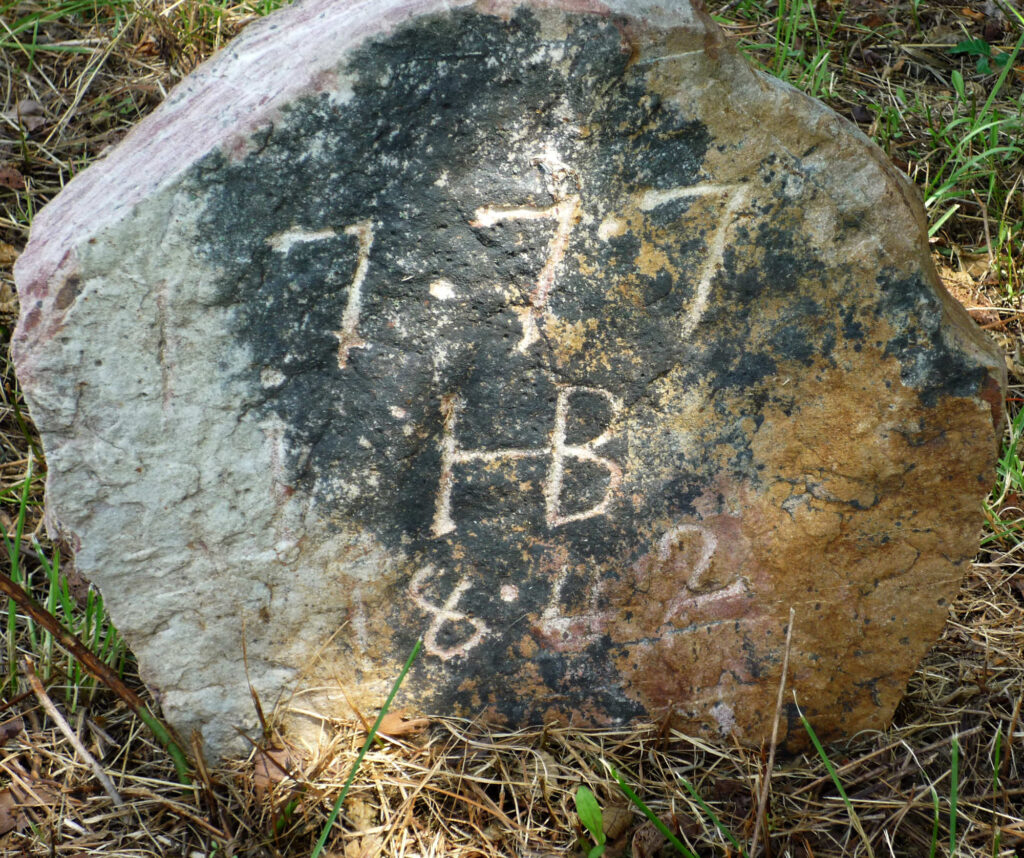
{"x": 574, "y": 632}
{"x": 348, "y": 335}
{"x": 566, "y": 213}
{"x": 581, "y": 629}
{"x": 362, "y": 231}
{"x": 700, "y": 588}
{"x": 558, "y": 451}
{"x": 671, "y": 541}
{"x": 735, "y": 195}
{"x": 453, "y": 633}
{"x": 443, "y": 615}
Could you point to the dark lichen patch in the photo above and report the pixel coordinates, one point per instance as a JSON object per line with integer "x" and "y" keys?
{"x": 435, "y": 352}
{"x": 929, "y": 362}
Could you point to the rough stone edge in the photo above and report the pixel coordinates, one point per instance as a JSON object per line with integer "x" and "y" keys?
{"x": 957, "y": 321}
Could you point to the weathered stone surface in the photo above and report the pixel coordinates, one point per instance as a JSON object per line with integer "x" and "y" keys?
{"x": 548, "y": 331}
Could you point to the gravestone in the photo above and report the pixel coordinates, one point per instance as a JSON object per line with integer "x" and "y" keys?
{"x": 547, "y": 331}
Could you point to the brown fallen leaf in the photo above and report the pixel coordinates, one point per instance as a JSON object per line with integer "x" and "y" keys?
{"x": 992, "y": 30}
{"x": 647, "y": 841}
{"x": 8, "y": 304}
{"x": 11, "y": 816}
{"x": 369, "y": 846}
{"x": 617, "y": 819}
{"x": 272, "y": 767}
{"x": 7, "y": 253}
{"x": 11, "y": 178}
{"x": 394, "y": 724}
{"x": 36, "y": 792}
{"x": 149, "y": 46}
{"x": 29, "y": 791}
{"x": 29, "y": 113}
{"x": 10, "y": 729}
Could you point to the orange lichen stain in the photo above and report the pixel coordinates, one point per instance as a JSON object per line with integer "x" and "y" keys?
{"x": 527, "y": 647}
{"x": 568, "y": 339}
{"x": 651, "y": 259}
{"x": 629, "y": 291}
{"x": 470, "y": 685}
{"x": 585, "y": 264}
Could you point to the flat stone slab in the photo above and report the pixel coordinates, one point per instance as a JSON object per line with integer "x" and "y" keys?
{"x": 549, "y": 332}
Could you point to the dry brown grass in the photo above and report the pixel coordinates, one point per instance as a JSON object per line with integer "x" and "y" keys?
{"x": 73, "y": 86}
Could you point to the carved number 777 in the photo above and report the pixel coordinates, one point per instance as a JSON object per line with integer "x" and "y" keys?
{"x": 566, "y": 213}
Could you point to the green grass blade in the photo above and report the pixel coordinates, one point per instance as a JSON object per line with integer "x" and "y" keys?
{"x": 13, "y": 547}
{"x": 1002, "y": 75}
{"x": 164, "y": 738}
{"x": 12, "y": 621}
{"x": 935, "y": 823}
{"x": 589, "y": 812}
{"x": 838, "y": 784}
{"x": 12, "y": 651}
{"x": 366, "y": 747}
{"x": 97, "y": 628}
{"x": 828, "y": 763}
{"x": 19, "y": 529}
{"x": 946, "y": 215}
{"x": 650, "y": 814}
{"x": 710, "y": 814}
{"x": 954, "y": 790}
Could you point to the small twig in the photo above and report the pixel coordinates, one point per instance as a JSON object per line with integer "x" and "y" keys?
{"x": 98, "y": 669}
{"x": 853, "y": 764}
{"x": 69, "y": 734}
{"x": 728, "y": 6}
{"x": 1002, "y": 323}
{"x": 178, "y": 809}
{"x": 85, "y": 657}
{"x": 1009, "y": 739}
{"x": 762, "y": 802}
{"x": 988, "y": 231}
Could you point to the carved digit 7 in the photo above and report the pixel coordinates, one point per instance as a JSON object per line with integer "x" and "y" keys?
{"x": 566, "y": 214}
{"x": 736, "y": 196}
{"x": 348, "y": 336}
{"x": 362, "y": 231}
